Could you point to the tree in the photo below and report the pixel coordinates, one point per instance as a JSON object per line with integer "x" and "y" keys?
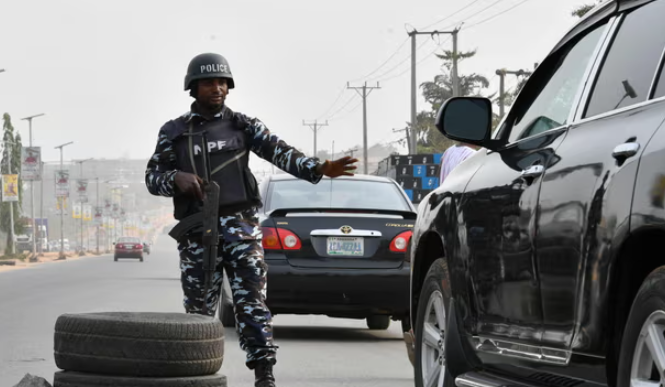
{"x": 584, "y": 9}
{"x": 11, "y": 142}
{"x": 439, "y": 90}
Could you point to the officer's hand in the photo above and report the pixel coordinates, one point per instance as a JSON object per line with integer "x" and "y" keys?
{"x": 189, "y": 183}
{"x": 339, "y": 167}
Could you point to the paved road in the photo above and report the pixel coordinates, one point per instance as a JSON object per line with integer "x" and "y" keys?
{"x": 314, "y": 351}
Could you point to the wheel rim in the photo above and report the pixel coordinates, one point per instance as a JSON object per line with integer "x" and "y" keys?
{"x": 648, "y": 368}
{"x": 433, "y": 355}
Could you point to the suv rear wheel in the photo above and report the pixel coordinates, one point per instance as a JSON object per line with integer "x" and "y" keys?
{"x": 642, "y": 359}
{"x": 431, "y": 322}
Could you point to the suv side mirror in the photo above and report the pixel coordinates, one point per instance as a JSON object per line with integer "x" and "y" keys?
{"x": 466, "y": 119}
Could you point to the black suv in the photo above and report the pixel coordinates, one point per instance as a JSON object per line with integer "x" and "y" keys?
{"x": 540, "y": 260}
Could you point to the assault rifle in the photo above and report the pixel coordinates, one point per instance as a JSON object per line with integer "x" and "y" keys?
{"x": 207, "y": 218}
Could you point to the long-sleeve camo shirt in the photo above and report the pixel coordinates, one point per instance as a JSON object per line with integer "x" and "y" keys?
{"x": 161, "y": 169}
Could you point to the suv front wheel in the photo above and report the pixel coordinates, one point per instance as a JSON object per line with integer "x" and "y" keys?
{"x": 431, "y": 322}
{"x": 642, "y": 359}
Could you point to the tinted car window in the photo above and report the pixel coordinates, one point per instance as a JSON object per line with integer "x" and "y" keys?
{"x": 630, "y": 65}
{"x": 347, "y": 194}
{"x": 554, "y": 101}
{"x": 129, "y": 240}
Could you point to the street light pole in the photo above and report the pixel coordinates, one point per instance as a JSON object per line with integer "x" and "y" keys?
{"x": 35, "y": 232}
{"x": 80, "y": 163}
{"x": 62, "y": 210}
{"x": 11, "y": 204}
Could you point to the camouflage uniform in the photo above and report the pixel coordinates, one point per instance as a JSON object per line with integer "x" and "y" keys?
{"x": 241, "y": 252}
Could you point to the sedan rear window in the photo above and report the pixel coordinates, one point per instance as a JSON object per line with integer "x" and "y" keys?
{"x": 343, "y": 194}
{"x": 129, "y": 240}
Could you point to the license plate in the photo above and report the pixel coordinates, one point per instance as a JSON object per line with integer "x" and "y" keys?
{"x": 346, "y": 246}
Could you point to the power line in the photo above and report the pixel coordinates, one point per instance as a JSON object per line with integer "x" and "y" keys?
{"x": 384, "y": 63}
{"x": 397, "y": 65}
{"x": 349, "y": 112}
{"x": 354, "y": 96}
{"x": 498, "y": 14}
{"x": 476, "y": 14}
{"x": 451, "y": 15}
{"x": 419, "y": 62}
{"x": 339, "y": 96}
{"x": 365, "y": 77}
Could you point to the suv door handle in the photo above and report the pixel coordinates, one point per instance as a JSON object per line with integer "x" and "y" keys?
{"x": 626, "y": 150}
{"x": 533, "y": 171}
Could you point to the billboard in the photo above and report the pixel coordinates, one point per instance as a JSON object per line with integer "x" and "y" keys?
{"x": 10, "y": 188}
{"x": 31, "y": 161}
{"x": 62, "y": 183}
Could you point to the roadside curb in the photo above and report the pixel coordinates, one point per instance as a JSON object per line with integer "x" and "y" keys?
{"x": 14, "y": 264}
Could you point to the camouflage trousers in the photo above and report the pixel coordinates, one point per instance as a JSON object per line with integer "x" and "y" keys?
{"x": 241, "y": 255}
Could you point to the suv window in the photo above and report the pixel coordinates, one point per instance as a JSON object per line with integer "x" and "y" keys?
{"x": 630, "y": 65}
{"x": 555, "y": 97}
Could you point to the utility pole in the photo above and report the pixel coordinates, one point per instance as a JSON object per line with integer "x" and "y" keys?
{"x": 80, "y": 163}
{"x": 97, "y": 208}
{"x": 408, "y": 142}
{"x": 315, "y": 126}
{"x": 62, "y": 209}
{"x": 41, "y": 204}
{"x": 414, "y": 86}
{"x": 363, "y": 91}
{"x": 502, "y": 86}
{"x": 32, "y": 195}
{"x": 350, "y": 152}
{"x": 11, "y": 204}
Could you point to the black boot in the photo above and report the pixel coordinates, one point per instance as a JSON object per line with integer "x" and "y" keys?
{"x": 263, "y": 374}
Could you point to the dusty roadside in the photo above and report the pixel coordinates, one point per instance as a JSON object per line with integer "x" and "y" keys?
{"x": 48, "y": 257}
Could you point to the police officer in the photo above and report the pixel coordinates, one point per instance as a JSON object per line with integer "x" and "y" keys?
{"x": 174, "y": 170}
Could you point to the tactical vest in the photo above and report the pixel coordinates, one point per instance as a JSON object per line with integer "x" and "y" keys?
{"x": 228, "y": 147}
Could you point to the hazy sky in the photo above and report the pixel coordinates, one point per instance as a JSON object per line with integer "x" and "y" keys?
{"x": 108, "y": 74}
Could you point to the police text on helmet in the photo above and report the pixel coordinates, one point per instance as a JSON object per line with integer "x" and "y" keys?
{"x": 214, "y": 68}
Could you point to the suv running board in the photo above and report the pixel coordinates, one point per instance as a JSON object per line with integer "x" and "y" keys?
{"x": 477, "y": 379}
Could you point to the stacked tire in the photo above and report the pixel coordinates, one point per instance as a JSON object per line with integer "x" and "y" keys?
{"x": 121, "y": 349}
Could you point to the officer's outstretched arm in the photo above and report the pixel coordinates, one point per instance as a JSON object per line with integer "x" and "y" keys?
{"x": 271, "y": 148}
{"x": 161, "y": 169}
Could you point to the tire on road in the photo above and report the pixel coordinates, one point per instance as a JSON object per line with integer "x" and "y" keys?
{"x": 76, "y": 379}
{"x": 378, "y": 322}
{"x": 435, "y": 285}
{"x": 139, "y": 344}
{"x": 646, "y": 318}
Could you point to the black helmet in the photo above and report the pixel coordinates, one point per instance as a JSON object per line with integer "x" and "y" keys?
{"x": 208, "y": 66}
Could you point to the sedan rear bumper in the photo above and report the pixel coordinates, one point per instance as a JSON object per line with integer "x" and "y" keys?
{"x": 345, "y": 293}
{"x": 129, "y": 254}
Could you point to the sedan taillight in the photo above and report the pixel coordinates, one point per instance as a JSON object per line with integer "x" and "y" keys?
{"x": 280, "y": 239}
{"x": 400, "y": 243}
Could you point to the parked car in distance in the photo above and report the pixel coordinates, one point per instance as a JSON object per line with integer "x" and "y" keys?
{"x": 128, "y": 247}
{"x": 337, "y": 248}
{"x": 538, "y": 261}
